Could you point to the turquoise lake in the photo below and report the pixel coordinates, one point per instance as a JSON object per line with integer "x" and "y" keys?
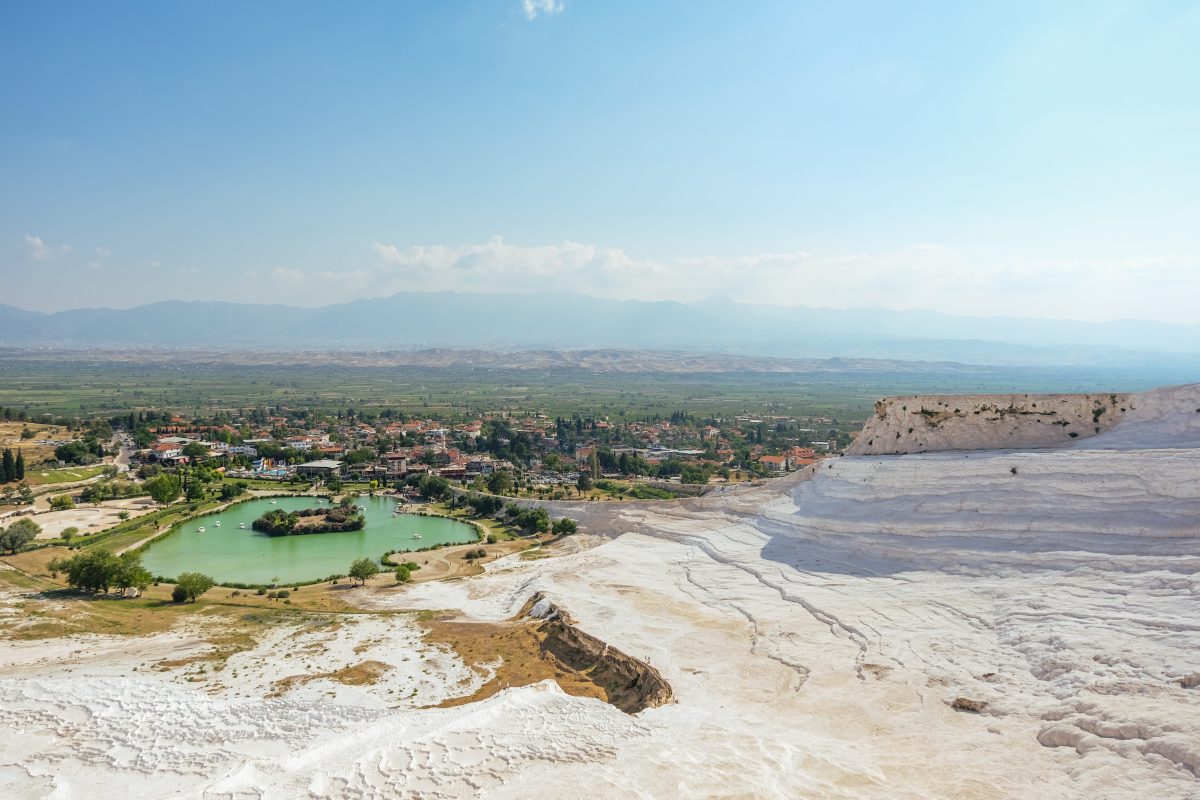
{"x": 230, "y": 553}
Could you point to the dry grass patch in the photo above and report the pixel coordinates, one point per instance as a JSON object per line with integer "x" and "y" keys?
{"x": 513, "y": 651}
{"x": 223, "y": 646}
{"x": 10, "y": 436}
{"x": 363, "y": 673}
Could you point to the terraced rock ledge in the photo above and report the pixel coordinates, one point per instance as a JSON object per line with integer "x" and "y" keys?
{"x": 542, "y": 641}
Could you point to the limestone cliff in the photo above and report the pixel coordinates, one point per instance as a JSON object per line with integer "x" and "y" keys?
{"x": 930, "y": 423}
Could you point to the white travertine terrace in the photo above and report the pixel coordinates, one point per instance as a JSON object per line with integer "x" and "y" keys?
{"x": 815, "y": 633}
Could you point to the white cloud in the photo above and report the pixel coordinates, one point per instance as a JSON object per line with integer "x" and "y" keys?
{"x": 291, "y": 277}
{"x": 922, "y": 276}
{"x": 103, "y": 252}
{"x": 39, "y": 250}
{"x": 535, "y": 8}
{"x": 95, "y": 266}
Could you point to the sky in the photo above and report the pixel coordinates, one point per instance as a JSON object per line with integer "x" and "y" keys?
{"x": 990, "y": 158}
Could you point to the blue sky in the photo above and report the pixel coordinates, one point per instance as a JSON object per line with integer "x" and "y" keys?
{"x": 990, "y": 158}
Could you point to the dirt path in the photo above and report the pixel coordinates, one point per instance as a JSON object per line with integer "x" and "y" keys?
{"x": 448, "y": 562}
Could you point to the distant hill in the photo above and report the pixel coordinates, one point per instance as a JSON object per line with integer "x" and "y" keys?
{"x": 565, "y": 321}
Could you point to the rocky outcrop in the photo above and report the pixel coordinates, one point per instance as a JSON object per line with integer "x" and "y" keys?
{"x": 968, "y": 704}
{"x": 630, "y": 685}
{"x": 932, "y": 423}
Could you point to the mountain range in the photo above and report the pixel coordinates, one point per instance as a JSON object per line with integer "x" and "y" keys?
{"x": 563, "y": 321}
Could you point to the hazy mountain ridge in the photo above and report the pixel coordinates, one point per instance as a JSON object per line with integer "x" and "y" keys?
{"x": 568, "y": 321}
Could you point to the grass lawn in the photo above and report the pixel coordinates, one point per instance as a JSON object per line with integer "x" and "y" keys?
{"x": 40, "y": 477}
{"x": 498, "y": 529}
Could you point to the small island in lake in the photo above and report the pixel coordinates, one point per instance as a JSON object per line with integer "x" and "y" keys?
{"x": 278, "y": 522}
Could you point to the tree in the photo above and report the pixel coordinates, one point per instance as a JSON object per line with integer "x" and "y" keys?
{"x": 585, "y": 482}
{"x": 564, "y": 526}
{"x": 359, "y": 455}
{"x": 535, "y": 520}
{"x": 91, "y": 571}
{"x": 69, "y": 533}
{"x": 19, "y": 466}
{"x": 129, "y": 572}
{"x": 149, "y": 471}
{"x": 78, "y": 452}
{"x": 500, "y": 482}
{"x": 231, "y": 490}
{"x": 193, "y": 585}
{"x": 163, "y": 488}
{"x": 195, "y": 491}
{"x": 403, "y": 574}
{"x": 19, "y": 534}
{"x": 195, "y": 450}
{"x": 8, "y": 467}
{"x": 434, "y": 487}
{"x": 363, "y": 569}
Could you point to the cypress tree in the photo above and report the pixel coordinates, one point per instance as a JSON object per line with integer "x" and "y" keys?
{"x": 20, "y": 466}
{"x": 8, "y": 468}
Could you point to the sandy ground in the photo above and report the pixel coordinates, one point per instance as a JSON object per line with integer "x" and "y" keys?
{"x": 815, "y": 633}
{"x": 91, "y": 518}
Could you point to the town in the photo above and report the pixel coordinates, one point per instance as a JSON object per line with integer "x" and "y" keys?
{"x": 531, "y": 455}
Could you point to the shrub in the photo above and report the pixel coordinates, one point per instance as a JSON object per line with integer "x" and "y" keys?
{"x": 530, "y": 519}
{"x": 641, "y": 491}
{"x": 403, "y": 574}
{"x": 179, "y": 594}
{"x": 62, "y": 502}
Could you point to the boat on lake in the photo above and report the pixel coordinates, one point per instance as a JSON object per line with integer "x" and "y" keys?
{"x": 200, "y": 529}
{"x": 217, "y": 523}
{"x": 416, "y": 536}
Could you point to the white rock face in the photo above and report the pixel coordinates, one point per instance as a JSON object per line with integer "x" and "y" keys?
{"x": 815, "y": 633}
{"x": 931, "y": 423}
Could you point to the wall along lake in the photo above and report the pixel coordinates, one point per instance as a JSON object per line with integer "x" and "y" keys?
{"x": 233, "y": 554}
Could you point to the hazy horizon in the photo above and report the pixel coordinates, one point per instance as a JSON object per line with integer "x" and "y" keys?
{"x": 551, "y": 292}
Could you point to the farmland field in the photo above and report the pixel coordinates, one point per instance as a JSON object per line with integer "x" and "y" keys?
{"x": 76, "y": 384}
